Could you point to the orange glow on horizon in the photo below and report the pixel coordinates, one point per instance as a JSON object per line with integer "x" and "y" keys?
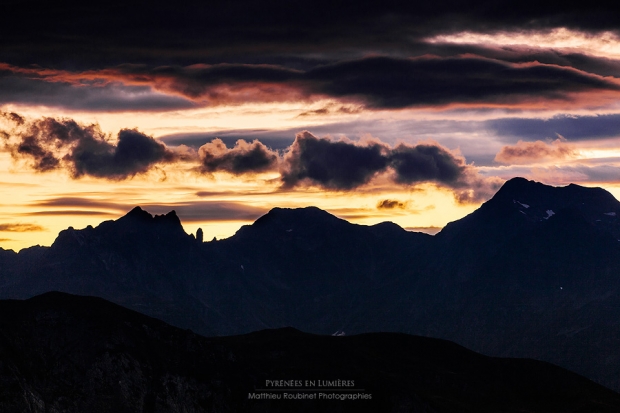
{"x": 53, "y": 201}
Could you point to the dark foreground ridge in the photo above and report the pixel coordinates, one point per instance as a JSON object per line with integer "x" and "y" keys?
{"x": 534, "y": 272}
{"x": 65, "y": 353}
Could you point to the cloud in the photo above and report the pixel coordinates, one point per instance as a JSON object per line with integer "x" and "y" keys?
{"x": 47, "y": 144}
{"x": 378, "y": 82}
{"x": 528, "y": 152}
{"x": 193, "y": 31}
{"x": 385, "y": 82}
{"x": 21, "y": 227}
{"x": 134, "y": 153}
{"x": 346, "y": 165}
{"x": 426, "y": 162}
{"x": 142, "y": 87}
{"x": 244, "y": 158}
{"x": 79, "y": 202}
{"x": 391, "y": 204}
{"x": 335, "y": 165}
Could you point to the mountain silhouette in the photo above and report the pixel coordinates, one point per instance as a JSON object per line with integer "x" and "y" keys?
{"x": 531, "y": 273}
{"x": 74, "y": 354}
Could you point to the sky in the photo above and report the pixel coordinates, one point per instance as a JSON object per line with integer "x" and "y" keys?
{"x": 410, "y": 112}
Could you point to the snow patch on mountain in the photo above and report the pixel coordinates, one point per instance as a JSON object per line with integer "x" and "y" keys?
{"x": 520, "y": 203}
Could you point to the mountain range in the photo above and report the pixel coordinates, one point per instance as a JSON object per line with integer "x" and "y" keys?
{"x": 73, "y": 354}
{"x": 534, "y": 272}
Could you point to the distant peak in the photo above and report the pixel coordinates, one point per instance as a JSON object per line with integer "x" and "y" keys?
{"x": 138, "y": 212}
{"x": 518, "y": 180}
{"x": 286, "y": 219}
{"x": 309, "y": 209}
{"x": 296, "y": 213}
{"x": 518, "y": 184}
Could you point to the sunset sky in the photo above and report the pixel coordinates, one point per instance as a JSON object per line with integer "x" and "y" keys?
{"x": 411, "y": 112}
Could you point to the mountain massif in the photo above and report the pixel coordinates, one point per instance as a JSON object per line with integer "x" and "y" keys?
{"x": 65, "y": 353}
{"x": 534, "y": 272}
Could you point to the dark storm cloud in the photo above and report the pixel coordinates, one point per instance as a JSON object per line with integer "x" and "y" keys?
{"x": 198, "y": 80}
{"x": 375, "y": 82}
{"x": 334, "y": 165}
{"x": 134, "y": 153}
{"x": 71, "y": 32}
{"x": 242, "y": 159}
{"x": 384, "y": 82}
{"x": 48, "y": 143}
{"x": 20, "y": 227}
{"x": 573, "y": 128}
{"x": 346, "y": 165}
{"x": 426, "y": 163}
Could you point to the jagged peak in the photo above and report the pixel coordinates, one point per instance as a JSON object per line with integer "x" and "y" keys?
{"x": 138, "y": 213}
{"x": 170, "y": 217}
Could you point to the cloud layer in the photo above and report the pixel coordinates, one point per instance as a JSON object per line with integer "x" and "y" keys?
{"x": 70, "y": 31}
{"x": 20, "y": 227}
{"x": 529, "y": 152}
{"x": 48, "y": 144}
{"x": 379, "y": 82}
